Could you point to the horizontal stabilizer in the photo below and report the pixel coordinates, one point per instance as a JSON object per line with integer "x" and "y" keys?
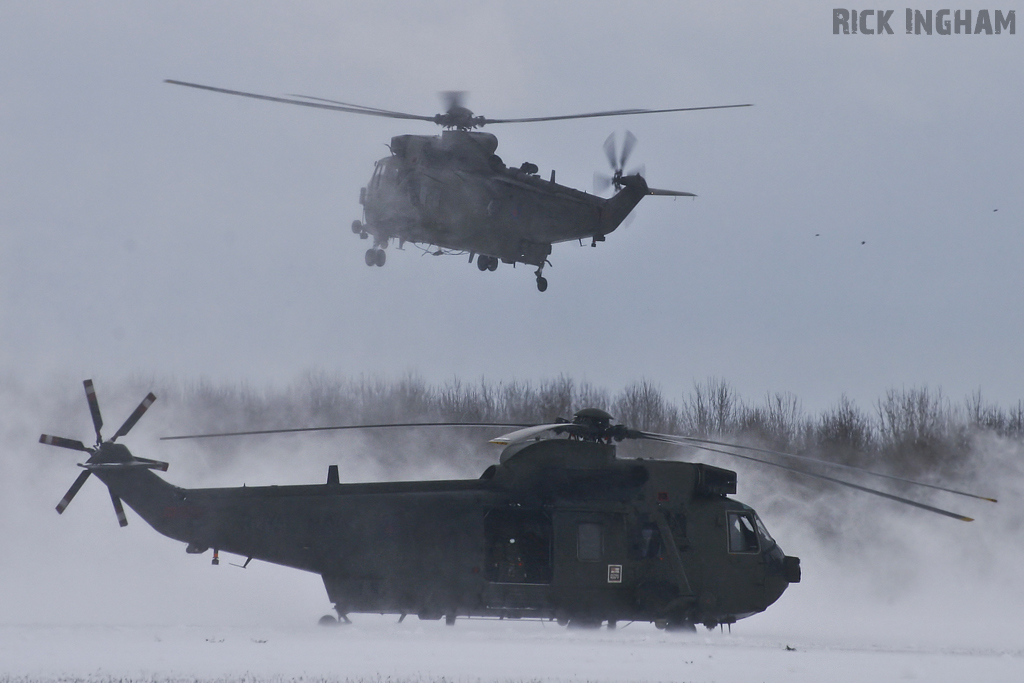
{"x": 669, "y": 193}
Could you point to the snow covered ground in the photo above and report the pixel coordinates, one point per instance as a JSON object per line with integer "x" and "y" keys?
{"x": 378, "y": 649}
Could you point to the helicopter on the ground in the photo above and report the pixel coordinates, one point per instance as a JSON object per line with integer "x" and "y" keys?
{"x": 558, "y": 528}
{"x": 454, "y": 194}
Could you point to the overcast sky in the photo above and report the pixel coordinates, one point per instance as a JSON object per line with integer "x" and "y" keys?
{"x": 859, "y": 229}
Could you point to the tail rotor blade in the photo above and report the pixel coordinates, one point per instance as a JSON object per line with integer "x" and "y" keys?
{"x": 601, "y": 183}
{"x": 627, "y": 148}
{"x": 66, "y": 500}
{"x": 94, "y": 408}
{"x": 61, "y": 442}
{"x": 119, "y": 509}
{"x": 134, "y": 417}
{"x": 609, "y": 150}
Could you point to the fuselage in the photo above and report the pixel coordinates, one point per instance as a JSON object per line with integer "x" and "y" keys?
{"x": 559, "y": 529}
{"x": 453, "y": 192}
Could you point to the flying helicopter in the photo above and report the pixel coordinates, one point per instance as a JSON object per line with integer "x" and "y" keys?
{"x": 454, "y": 194}
{"x": 559, "y": 528}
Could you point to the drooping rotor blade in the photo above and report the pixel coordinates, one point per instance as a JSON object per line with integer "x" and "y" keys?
{"x": 119, "y": 510}
{"x": 94, "y": 408}
{"x": 618, "y": 112}
{"x": 865, "y": 489}
{"x": 609, "y": 151}
{"x": 628, "y": 143}
{"x": 352, "y": 109}
{"x": 60, "y": 441}
{"x": 528, "y": 433}
{"x": 343, "y": 427}
{"x": 860, "y": 470}
{"x": 134, "y": 417}
{"x": 66, "y": 500}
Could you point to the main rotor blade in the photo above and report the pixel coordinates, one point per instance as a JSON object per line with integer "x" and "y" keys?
{"x": 94, "y": 408}
{"x": 352, "y": 109}
{"x": 628, "y": 142}
{"x": 817, "y": 461}
{"x": 134, "y": 417}
{"x": 60, "y": 441}
{"x": 618, "y": 112}
{"x": 344, "y": 104}
{"x": 66, "y": 500}
{"x": 118, "y": 510}
{"x": 609, "y": 151}
{"x": 521, "y": 435}
{"x": 343, "y": 427}
{"x": 865, "y": 489}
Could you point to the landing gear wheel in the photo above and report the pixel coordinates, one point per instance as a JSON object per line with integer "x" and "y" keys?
{"x": 371, "y": 257}
{"x": 328, "y": 620}
{"x": 492, "y": 265}
{"x": 382, "y": 256}
{"x": 357, "y": 227}
{"x": 482, "y": 262}
{"x": 542, "y": 283}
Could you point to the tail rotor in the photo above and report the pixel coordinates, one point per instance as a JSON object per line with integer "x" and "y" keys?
{"x": 105, "y": 454}
{"x": 617, "y": 159}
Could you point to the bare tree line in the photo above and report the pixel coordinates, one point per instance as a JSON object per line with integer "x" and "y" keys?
{"x": 910, "y": 430}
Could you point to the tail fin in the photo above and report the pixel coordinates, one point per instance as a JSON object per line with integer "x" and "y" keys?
{"x": 634, "y": 188}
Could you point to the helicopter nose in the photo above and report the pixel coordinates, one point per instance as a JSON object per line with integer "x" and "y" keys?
{"x": 780, "y": 571}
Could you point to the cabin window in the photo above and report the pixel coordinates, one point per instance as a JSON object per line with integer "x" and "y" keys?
{"x": 589, "y": 542}
{"x": 650, "y": 541}
{"x": 645, "y": 541}
{"x": 742, "y": 536}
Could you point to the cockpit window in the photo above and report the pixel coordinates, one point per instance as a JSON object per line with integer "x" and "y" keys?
{"x": 766, "y": 537}
{"x": 742, "y": 536}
